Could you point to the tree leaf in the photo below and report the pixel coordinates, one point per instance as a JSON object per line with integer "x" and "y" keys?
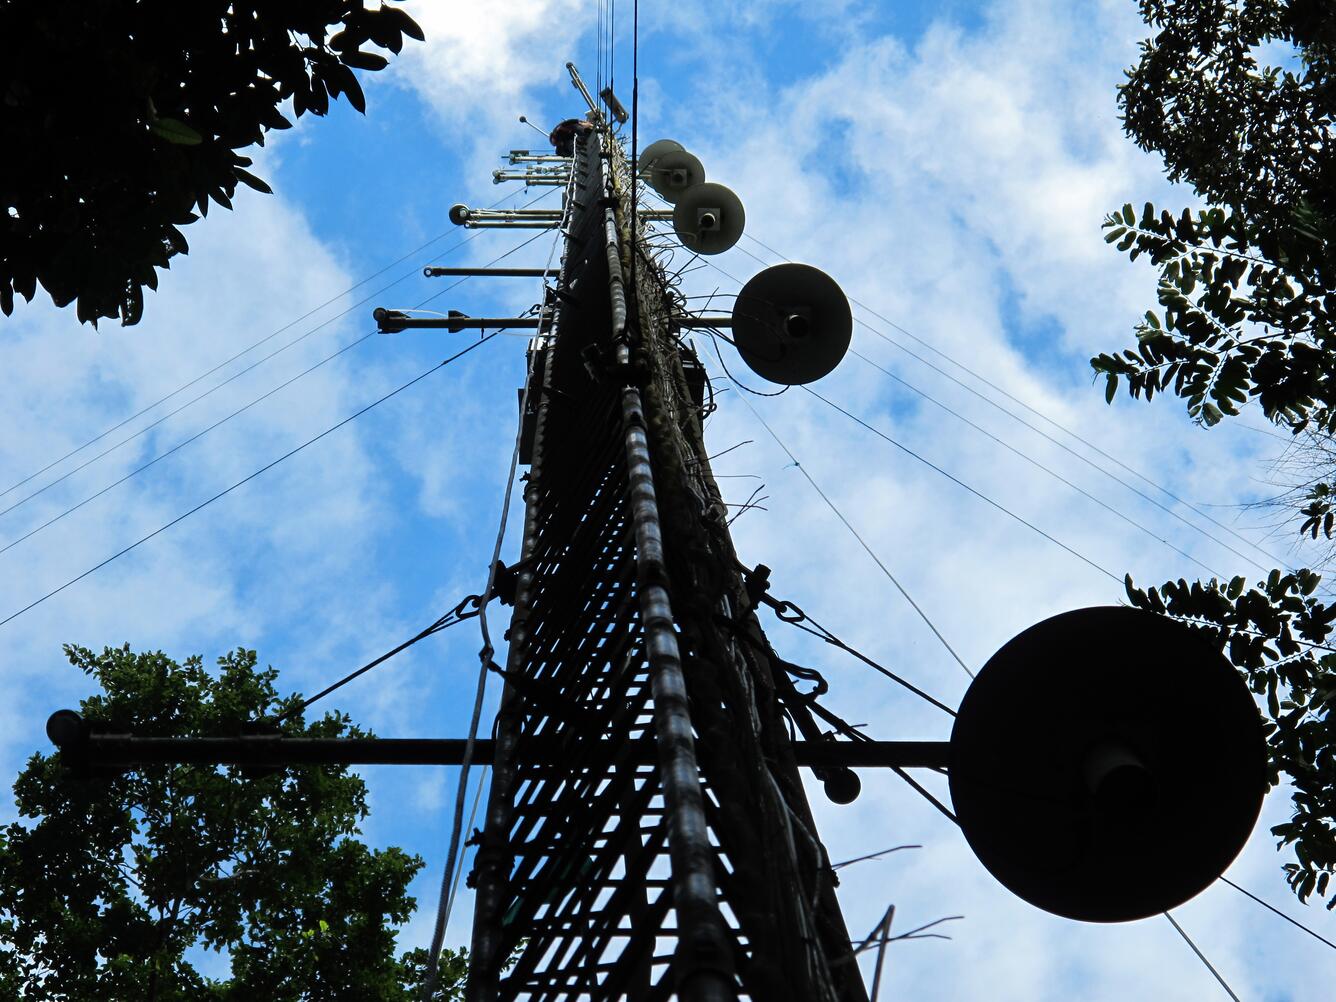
{"x": 241, "y": 857}
{"x": 250, "y": 180}
{"x": 364, "y": 60}
{"x": 405, "y": 23}
{"x": 175, "y": 131}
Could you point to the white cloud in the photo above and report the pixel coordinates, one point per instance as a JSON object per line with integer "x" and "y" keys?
{"x": 953, "y": 182}
{"x": 480, "y": 69}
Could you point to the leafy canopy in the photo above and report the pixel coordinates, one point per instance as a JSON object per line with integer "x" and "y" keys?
{"x": 119, "y": 119}
{"x": 1267, "y": 632}
{"x": 116, "y": 882}
{"x": 1247, "y": 289}
{"x": 1247, "y": 313}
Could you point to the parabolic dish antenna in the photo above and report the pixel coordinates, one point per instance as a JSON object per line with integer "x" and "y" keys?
{"x": 655, "y": 150}
{"x": 673, "y": 172}
{"x": 791, "y": 324}
{"x": 1107, "y": 764}
{"x": 708, "y": 218}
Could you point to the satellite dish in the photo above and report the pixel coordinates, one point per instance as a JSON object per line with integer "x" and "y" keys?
{"x": 459, "y": 213}
{"x": 1107, "y": 764}
{"x": 708, "y": 218}
{"x": 655, "y": 150}
{"x": 673, "y": 172}
{"x": 791, "y": 323}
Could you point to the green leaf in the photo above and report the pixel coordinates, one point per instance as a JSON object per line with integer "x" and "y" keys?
{"x": 406, "y": 24}
{"x": 1110, "y": 387}
{"x": 274, "y": 848}
{"x": 175, "y": 131}
{"x": 1129, "y": 215}
{"x": 250, "y": 180}
{"x": 364, "y": 60}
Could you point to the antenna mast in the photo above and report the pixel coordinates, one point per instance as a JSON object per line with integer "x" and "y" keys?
{"x": 647, "y": 835}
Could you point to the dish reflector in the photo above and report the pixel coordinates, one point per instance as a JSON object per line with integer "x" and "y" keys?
{"x": 791, "y": 324}
{"x": 708, "y": 218}
{"x": 672, "y": 173}
{"x": 1107, "y": 764}
{"x": 655, "y": 150}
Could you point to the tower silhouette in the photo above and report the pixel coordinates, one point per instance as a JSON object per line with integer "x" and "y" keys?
{"x": 647, "y": 834}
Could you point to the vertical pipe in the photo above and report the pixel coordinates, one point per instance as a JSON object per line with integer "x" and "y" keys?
{"x": 703, "y": 961}
{"x": 703, "y": 958}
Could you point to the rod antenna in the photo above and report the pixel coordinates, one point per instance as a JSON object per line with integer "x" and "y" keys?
{"x": 535, "y": 128}
{"x": 584, "y": 91}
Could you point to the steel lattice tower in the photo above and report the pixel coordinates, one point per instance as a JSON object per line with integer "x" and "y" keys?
{"x": 647, "y": 834}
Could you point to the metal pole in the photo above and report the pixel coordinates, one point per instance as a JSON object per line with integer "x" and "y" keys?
{"x": 122, "y": 750}
{"x": 703, "y": 958}
{"x": 433, "y": 271}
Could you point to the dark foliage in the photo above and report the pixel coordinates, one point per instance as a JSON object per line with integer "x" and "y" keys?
{"x": 113, "y": 879}
{"x": 120, "y": 121}
{"x": 1248, "y": 285}
{"x": 1266, "y": 631}
{"x": 1247, "y": 313}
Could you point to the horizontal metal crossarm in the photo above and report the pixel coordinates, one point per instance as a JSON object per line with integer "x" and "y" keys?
{"x": 432, "y": 271}
{"x": 537, "y": 176}
{"x": 462, "y": 215}
{"x": 393, "y": 321}
{"x": 265, "y": 749}
{"x": 470, "y": 323}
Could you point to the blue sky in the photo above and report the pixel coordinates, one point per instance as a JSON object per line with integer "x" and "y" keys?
{"x": 948, "y": 163}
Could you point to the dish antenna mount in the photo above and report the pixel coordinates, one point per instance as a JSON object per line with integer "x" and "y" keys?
{"x": 792, "y": 324}
{"x": 672, "y": 172}
{"x": 708, "y": 218}
{"x": 1107, "y": 764}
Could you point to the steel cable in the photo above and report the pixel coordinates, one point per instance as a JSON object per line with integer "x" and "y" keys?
{"x": 252, "y": 347}
{"x": 264, "y": 396}
{"x": 223, "y": 493}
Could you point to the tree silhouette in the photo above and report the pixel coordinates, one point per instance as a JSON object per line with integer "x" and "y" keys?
{"x": 117, "y": 882}
{"x": 121, "y": 121}
{"x": 1247, "y": 313}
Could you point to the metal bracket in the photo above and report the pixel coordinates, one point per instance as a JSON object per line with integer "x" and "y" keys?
{"x": 77, "y": 740}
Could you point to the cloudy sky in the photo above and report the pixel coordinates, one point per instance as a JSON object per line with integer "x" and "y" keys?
{"x": 948, "y": 162}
